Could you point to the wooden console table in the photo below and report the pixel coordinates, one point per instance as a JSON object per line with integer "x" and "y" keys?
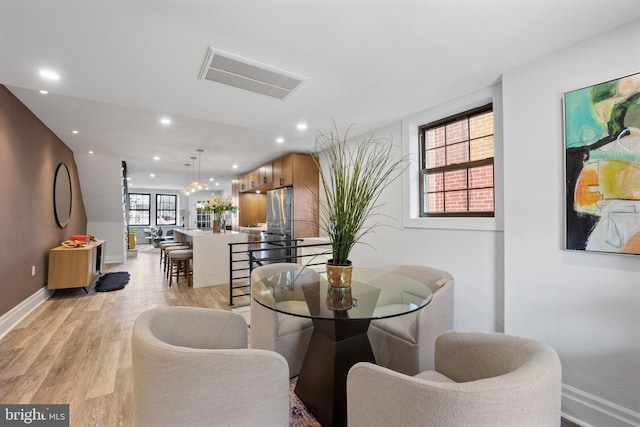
{"x": 75, "y": 267}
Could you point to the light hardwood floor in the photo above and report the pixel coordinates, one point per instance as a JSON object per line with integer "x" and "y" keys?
{"x": 75, "y": 348}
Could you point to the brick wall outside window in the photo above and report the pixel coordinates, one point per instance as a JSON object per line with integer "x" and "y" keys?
{"x": 457, "y": 165}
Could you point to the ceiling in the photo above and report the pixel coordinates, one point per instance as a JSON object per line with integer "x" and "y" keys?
{"x": 124, "y": 64}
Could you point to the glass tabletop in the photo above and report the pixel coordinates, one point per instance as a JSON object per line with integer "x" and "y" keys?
{"x": 373, "y": 294}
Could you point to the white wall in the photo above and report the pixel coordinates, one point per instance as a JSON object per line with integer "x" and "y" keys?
{"x": 586, "y": 305}
{"x": 101, "y": 184}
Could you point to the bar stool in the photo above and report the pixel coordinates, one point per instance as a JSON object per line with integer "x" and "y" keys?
{"x": 167, "y": 252}
{"x": 180, "y": 260}
{"x": 165, "y": 245}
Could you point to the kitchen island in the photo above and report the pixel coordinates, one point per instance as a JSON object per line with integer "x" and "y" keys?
{"x": 210, "y": 254}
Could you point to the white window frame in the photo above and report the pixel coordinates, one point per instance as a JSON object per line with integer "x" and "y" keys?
{"x": 411, "y": 146}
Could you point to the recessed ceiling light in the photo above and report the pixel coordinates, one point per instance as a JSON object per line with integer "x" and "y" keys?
{"x": 210, "y": 179}
{"x": 217, "y": 183}
{"x": 165, "y": 121}
{"x": 152, "y": 175}
{"x": 128, "y": 178}
{"x": 44, "y": 92}
{"x": 156, "y": 158}
{"x": 90, "y": 152}
{"x": 74, "y": 131}
{"x": 51, "y": 75}
{"x": 235, "y": 166}
{"x": 280, "y": 140}
{"x": 301, "y": 126}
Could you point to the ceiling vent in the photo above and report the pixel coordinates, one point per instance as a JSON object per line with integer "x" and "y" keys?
{"x": 223, "y": 67}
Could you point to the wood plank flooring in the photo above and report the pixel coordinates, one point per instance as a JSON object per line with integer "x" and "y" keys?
{"x": 75, "y": 348}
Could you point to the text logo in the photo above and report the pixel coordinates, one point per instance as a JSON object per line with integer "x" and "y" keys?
{"x": 34, "y": 415}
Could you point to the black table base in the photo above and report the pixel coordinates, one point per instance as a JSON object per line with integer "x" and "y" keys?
{"x": 336, "y": 345}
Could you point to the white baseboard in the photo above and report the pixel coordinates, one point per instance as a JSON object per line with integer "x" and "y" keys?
{"x": 12, "y": 317}
{"x": 589, "y": 410}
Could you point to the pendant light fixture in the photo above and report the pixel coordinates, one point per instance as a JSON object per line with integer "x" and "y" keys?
{"x": 198, "y": 184}
{"x": 191, "y": 188}
{"x": 185, "y": 190}
{"x": 201, "y": 184}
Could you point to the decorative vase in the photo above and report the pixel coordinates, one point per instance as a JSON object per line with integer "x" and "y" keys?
{"x": 339, "y": 298}
{"x": 216, "y": 226}
{"x": 223, "y": 222}
{"x": 339, "y": 276}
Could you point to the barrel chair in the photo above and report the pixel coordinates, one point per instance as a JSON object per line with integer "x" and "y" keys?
{"x": 406, "y": 343}
{"x": 282, "y": 333}
{"x": 191, "y": 367}
{"x": 480, "y": 379}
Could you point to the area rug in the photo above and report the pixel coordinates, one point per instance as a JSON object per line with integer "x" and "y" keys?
{"x": 112, "y": 281}
{"x": 299, "y": 415}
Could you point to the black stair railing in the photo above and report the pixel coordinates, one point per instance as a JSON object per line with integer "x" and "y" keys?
{"x": 244, "y": 257}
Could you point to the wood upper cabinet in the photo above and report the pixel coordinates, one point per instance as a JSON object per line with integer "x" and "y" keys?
{"x": 279, "y": 173}
{"x": 250, "y": 180}
{"x": 283, "y": 172}
{"x": 242, "y": 183}
{"x": 265, "y": 176}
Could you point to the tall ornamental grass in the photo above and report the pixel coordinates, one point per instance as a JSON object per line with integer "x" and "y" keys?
{"x": 354, "y": 177}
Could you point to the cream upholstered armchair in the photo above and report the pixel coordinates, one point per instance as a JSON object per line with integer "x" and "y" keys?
{"x": 406, "y": 343}
{"x": 282, "y": 333}
{"x": 191, "y": 366}
{"x": 480, "y": 379}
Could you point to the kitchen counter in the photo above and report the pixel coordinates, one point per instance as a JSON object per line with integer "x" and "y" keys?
{"x": 253, "y": 229}
{"x": 210, "y": 254}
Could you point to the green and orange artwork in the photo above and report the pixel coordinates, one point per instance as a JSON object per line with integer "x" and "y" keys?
{"x": 602, "y": 160}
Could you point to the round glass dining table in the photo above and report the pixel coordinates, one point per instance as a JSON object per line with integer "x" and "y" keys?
{"x": 341, "y": 318}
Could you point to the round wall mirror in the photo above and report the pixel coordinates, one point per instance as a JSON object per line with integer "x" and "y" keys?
{"x": 62, "y": 195}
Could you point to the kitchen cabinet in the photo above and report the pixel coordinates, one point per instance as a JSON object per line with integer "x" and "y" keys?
{"x": 283, "y": 172}
{"x": 295, "y": 170}
{"x": 252, "y": 208}
{"x": 265, "y": 176}
{"x": 252, "y": 179}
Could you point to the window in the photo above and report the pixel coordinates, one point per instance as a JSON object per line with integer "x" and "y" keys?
{"x": 139, "y": 209}
{"x": 456, "y": 165}
{"x": 165, "y": 209}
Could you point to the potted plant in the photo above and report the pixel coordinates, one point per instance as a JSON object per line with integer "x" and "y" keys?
{"x": 353, "y": 178}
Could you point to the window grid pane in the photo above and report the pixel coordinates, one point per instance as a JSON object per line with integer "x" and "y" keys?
{"x": 481, "y": 200}
{"x": 458, "y": 153}
{"x": 457, "y": 132}
{"x": 455, "y": 180}
{"x": 481, "y": 148}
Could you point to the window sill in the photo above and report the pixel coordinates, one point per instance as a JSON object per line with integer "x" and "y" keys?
{"x": 477, "y": 224}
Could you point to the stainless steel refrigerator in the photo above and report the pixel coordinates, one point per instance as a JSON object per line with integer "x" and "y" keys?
{"x": 275, "y": 243}
{"x": 280, "y": 211}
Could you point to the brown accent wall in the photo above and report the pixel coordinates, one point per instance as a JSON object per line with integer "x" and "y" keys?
{"x": 29, "y": 156}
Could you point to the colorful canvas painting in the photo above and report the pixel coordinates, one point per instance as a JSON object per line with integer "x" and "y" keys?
{"x": 602, "y": 148}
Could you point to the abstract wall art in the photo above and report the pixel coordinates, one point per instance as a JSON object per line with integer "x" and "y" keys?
{"x": 602, "y": 161}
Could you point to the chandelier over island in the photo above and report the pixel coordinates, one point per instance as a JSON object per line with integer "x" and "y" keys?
{"x": 198, "y": 184}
